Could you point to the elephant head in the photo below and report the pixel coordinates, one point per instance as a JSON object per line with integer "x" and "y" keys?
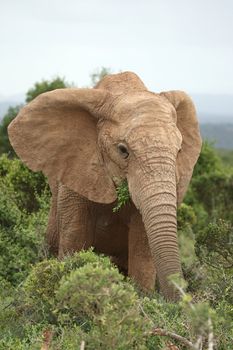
{"x": 90, "y": 139}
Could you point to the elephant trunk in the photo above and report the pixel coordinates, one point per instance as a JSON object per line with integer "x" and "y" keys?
{"x": 155, "y": 197}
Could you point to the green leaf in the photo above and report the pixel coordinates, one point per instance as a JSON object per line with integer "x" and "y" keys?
{"x": 123, "y": 195}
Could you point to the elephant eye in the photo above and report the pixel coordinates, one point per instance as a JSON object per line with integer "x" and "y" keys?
{"x": 123, "y": 150}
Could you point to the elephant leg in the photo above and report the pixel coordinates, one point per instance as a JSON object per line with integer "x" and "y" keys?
{"x": 140, "y": 265}
{"x": 75, "y": 221}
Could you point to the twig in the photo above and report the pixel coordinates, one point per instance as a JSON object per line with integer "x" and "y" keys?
{"x": 148, "y": 317}
{"x": 171, "y": 346}
{"x": 47, "y": 335}
{"x": 211, "y": 335}
{"x": 182, "y": 292}
{"x": 184, "y": 341}
{"x": 144, "y": 313}
{"x": 82, "y": 346}
{"x": 198, "y": 344}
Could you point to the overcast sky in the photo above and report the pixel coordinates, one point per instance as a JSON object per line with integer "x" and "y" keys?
{"x": 170, "y": 44}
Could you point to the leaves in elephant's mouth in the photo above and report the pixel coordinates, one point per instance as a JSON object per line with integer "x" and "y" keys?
{"x": 123, "y": 195}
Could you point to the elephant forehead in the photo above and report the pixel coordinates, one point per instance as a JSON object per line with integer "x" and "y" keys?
{"x": 162, "y": 136}
{"x": 135, "y": 107}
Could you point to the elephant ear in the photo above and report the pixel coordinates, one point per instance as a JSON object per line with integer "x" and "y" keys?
{"x": 56, "y": 134}
{"x": 187, "y": 123}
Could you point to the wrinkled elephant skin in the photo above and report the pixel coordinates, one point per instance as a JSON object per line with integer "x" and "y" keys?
{"x": 87, "y": 141}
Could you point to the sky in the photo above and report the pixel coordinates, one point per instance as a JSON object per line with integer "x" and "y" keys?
{"x": 170, "y": 44}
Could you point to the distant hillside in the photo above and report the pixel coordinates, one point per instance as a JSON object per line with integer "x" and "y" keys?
{"x": 221, "y": 134}
{"x": 4, "y": 107}
{"x": 11, "y": 101}
{"x": 214, "y": 108}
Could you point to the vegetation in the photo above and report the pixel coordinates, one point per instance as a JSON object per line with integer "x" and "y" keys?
{"x": 123, "y": 195}
{"x": 99, "y": 74}
{"x": 83, "y": 302}
{"x": 44, "y": 86}
{"x": 226, "y": 155}
{"x": 5, "y": 146}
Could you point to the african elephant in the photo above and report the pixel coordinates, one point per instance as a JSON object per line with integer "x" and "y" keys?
{"x": 87, "y": 141}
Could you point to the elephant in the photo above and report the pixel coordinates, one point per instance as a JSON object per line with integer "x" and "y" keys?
{"x": 87, "y": 141}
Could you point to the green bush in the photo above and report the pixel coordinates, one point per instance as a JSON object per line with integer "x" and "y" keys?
{"x": 5, "y": 146}
{"x": 23, "y": 186}
{"x": 208, "y": 161}
{"x": 80, "y": 259}
{"x": 22, "y": 242}
{"x": 107, "y": 309}
{"x": 214, "y": 244}
{"x": 39, "y": 291}
{"x": 215, "y": 191}
{"x": 88, "y": 300}
{"x": 185, "y": 216}
{"x": 10, "y": 213}
{"x": 42, "y": 283}
{"x": 92, "y": 300}
{"x": 211, "y": 190}
{"x": 24, "y": 209}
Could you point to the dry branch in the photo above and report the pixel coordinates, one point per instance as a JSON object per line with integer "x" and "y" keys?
{"x": 82, "y": 346}
{"x": 184, "y": 341}
{"x": 47, "y": 335}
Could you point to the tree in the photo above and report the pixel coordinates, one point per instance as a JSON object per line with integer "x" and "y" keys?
{"x": 208, "y": 161}
{"x": 5, "y": 146}
{"x": 44, "y": 86}
{"x": 99, "y": 74}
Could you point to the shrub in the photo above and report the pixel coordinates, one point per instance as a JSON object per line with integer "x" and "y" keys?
{"x": 185, "y": 216}
{"x": 214, "y": 244}
{"x": 5, "y": 146}
{"x": 80, "y": 259}
{"x": 21, "y": 235}
{"x": 87, "y": 300}
{"x": 22, "y": 244}
{"x": 23, "y": 186}
{"x": 107, "y": 309}
{"x": 208, "y": 161}
{"x": 215, "y": 191}
{"x": 92, "y": 301}
{"x": 39, "y": 291}
{"x": 24, "y": 209}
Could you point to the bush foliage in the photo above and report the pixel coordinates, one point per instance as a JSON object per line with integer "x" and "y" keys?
{"x": 85, "y": 299}
{"x": 23, "y": 217}
{"x": 5, "y": 146}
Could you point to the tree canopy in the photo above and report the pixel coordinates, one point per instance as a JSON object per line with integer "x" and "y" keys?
{"x": 44, "y": 86}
